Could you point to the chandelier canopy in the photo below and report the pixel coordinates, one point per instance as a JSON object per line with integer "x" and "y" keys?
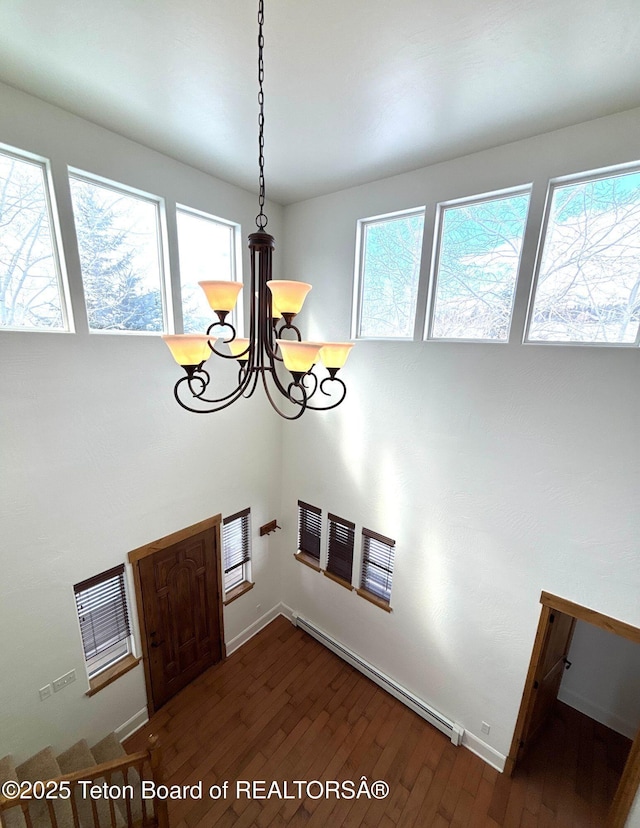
{"x": 274, "y": 352}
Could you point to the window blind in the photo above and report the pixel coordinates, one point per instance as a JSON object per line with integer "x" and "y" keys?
{"x": 236, "y": 546}
{"x": 309, "y": 529}
{"x": 341, "y": 541}
{"x": 377, "y": 564}
{"x": 102, "y": 611}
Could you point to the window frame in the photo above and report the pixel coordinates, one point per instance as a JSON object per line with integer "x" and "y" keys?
{"x": 95, "y": 666}
{"x": 552, "y": 184}
{"x": 362, "y": 590}
{"x": 441, "y": 208}
{"x": 335, "y": 555}
{"x": 237, "y": 315}
{"x": 358, "y": 278}
{"x": 236, "y": 588}
{"x": 162, "y": 243}
{"x": 57, "y": 247}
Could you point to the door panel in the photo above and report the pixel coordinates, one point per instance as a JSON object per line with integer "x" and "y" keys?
{"x": 548, "y": 675}
{"x": 179, "y": 586}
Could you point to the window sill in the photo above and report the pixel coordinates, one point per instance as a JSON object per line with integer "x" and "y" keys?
{"x": 237, "y": 591}
{"x": 112, "y": 673}
{"x": 307, "y": 560}
{"x": 338, "y": 580}
{"x": 368, "y": 596}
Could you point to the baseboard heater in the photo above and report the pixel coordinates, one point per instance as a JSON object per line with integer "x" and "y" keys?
{"x": 451, "y": 729}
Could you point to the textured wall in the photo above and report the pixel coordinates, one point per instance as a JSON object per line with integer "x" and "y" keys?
{"x": 604, "y": 679}
{"x": 500, "y": 470}
{"x": 98, "y": 459}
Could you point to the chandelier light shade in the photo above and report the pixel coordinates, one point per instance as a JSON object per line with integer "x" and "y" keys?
{"x": 190, "y": 350}
{"x": 239, "y": 349}
{"x": 221, "y": 296}
{"x": 274, "y": 353}
{"x": 288, "y": 296}
{"x": 299, "y": 357}
{"x": 334, "y": 354}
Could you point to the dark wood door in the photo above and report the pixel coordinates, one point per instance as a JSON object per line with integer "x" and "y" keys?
{"x": 549, "y": 672}
{"x": 182, "y": 615}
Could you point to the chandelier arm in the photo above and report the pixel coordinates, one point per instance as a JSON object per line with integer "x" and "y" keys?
{"x": 280, "y": 386}
{"x": 302, "y": 403}
{"x": 289, "y": 327}
{"x": 200, "y": 375}
{"x": 253, "y": 384}
{"x": 221, "y": 325}
{"x": 273, "y": 351}
{"x": 210, "y": 405}
{"x": 343, "y": 394}
{"x": 310, "y": 375}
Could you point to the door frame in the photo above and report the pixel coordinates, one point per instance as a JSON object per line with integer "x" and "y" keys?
{"x": 136, "y": 555}
{"x": 630, "y": 780}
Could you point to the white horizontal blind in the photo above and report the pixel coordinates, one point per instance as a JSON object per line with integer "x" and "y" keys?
{"x": 104, "y": 619}
{"x": 377, "y": 564}
{"x": 236, "y": 547}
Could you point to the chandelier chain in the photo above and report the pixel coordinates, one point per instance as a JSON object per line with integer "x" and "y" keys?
{"x": 261, "y": 218}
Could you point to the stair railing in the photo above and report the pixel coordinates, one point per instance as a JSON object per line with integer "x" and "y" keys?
{"x": 117, "y": 773}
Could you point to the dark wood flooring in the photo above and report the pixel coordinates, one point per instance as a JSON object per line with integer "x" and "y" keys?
{"x": 285, "y": 708}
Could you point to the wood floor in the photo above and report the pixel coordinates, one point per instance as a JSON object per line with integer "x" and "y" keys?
{"x": 285, "y": 708}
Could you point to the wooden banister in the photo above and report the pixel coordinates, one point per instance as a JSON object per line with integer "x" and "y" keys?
{"x": 151, "y": 758}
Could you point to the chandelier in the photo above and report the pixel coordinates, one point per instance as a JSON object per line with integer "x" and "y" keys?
{"x": 274, "y": 354}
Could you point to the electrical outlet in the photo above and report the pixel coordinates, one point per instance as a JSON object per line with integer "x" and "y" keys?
{"x": 61, "y": 682}
{"x": 45, "y": 692}
{"x": 486, "y": 728}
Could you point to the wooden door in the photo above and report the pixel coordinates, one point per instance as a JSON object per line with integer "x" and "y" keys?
{"x": 544, "y": 663}
{"x": 548, "y": 677}
{"x": 181, "y": 611}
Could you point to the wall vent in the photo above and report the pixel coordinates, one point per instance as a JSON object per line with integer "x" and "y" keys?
{"x": 451, "y": 729}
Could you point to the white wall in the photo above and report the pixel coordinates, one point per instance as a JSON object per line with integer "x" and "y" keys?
{"x": 500, "y": 470}
{"x": 97, "y": 458}
{"x": 604, "y": 679}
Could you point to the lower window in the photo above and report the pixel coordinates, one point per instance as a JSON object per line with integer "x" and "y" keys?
{"x": 236, "y": 547}
{"x": 101, "y": 602}
{"x": 377, "y": 566}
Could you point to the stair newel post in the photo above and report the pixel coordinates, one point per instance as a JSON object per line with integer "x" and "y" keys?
{"x": 155, "y": 760}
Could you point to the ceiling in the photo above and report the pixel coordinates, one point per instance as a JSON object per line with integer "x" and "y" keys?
{"x": 355, "y": 89}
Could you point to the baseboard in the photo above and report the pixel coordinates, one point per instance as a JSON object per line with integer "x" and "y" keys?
{"x": 484, "y": 751}
{"x": 131, "y": 725}
{"x": 594, "y": 711}
{"x": 261, "y": 623}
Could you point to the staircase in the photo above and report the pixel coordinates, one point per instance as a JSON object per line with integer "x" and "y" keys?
{"x": 67, "y": 779}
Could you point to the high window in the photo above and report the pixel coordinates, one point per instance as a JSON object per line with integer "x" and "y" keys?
{"x": 32, "y": 292}
{"x": 388, "y": 267}
{"x": 376, "y": 573}
{"x": 101, "y": 603}
{"x": 587, "y": 281}
{"x": 236, "y": 547}
{"x": 340, "y": 550}
{"x": 121, "y": 256}
{"x": 309, "y": 533}
{"x": 207, "y": 248}
{"x": 476, "y": 267}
